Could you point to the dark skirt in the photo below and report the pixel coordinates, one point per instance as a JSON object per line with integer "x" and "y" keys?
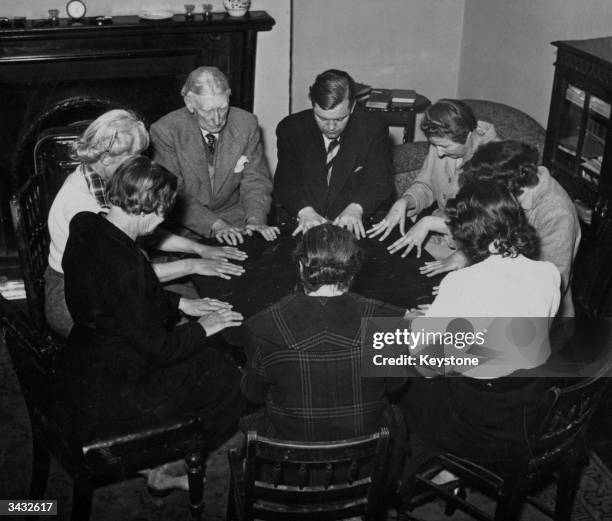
{"x": 486, "y": 421}
{"x": 112, "y": 385}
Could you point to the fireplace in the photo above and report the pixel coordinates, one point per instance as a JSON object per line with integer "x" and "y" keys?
{"x": 54, "y": 75}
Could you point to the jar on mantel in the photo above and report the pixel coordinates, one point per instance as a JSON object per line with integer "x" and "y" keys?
{"x": 237, "y": 7}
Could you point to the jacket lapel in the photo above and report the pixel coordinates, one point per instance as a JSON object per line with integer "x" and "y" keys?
{"x": 196, "y": 157}
{"x": 343, "y": 164}
{"x": 228, "y": 151}
{"x": 315, "y": 154}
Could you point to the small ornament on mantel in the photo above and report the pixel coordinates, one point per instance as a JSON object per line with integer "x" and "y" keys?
{"x": 237, "y": 7}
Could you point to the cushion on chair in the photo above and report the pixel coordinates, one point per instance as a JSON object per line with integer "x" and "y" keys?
{"x": 509, "y": 122}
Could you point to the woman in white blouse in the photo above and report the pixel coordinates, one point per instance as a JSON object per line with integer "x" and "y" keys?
{"x": 484, "y": 414}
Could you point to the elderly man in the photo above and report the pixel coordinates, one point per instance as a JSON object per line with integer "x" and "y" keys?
{"x": 334, "y": 160}
{"x": 215, "y": 151}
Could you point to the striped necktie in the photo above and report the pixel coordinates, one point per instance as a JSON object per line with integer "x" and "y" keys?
{"x": 211, "y": 141}
{"x": 332, "y": 151}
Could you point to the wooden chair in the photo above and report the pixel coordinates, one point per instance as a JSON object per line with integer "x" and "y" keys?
{"x": 29, "y": 210}
{"x": 307, "y": 480}
{"x": 94, "y": 455}
{"x": 557, "y": 448}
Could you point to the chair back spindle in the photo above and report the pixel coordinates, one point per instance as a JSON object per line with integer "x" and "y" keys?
{"x": 307, "y": 480}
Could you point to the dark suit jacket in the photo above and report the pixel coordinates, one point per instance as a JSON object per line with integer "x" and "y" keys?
{"x": 361, "y": 172}
{"x": 304, "y": 362}
{"x": 242, "y": 190}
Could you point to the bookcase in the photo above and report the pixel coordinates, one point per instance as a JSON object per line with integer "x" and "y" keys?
{"x": 578, "y": 151}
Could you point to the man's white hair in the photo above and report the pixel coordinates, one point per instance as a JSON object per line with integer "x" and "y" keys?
{"x": 206, "y": 80}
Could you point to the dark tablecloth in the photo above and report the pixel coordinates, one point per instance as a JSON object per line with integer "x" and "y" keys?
{"x": 271, "y": 274}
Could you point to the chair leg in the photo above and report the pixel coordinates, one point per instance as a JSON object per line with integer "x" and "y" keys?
{"x": 40, "y": 469}
{"x": 567, "y": 486}
{"x": 510, "y": 503}
{"x": 195, "y": 476}
{"x": 82, "y": 499}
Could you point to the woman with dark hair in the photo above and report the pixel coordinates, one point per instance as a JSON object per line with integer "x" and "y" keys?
{"x": 454, "y": 135}
{"x": 491, "y": 230}
{"x": 546, "y": 204}
{"x": 304, "y": 352}
{"x": 128, "y": 362}
{"x": 484, "y": 414}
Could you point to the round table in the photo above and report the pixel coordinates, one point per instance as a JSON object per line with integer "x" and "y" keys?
{"x": 270, "y": 274}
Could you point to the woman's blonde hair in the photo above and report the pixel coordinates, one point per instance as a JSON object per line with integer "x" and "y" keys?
{"x": 115, "y": 132}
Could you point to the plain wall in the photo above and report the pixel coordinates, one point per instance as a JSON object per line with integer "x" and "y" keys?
{"x": 271, "y": 70}
{"x": 392, "y": 44}
{"x": 506, "y": 54}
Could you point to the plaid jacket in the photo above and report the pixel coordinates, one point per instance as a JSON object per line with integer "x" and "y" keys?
{"x": 304, "y": 363}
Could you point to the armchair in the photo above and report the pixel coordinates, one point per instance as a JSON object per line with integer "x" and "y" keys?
{"x": 510, "y": 123}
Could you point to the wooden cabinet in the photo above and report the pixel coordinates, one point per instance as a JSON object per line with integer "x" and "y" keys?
{"x": 578, "y": 150}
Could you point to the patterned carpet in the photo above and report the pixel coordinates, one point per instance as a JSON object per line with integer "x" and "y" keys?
{"x": 130, "y": 501}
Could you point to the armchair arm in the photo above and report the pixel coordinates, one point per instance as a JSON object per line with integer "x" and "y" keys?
{"x": 407, "y": 162}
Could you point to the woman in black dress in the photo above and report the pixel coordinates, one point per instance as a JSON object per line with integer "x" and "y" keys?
{"x": 128, "y": 361}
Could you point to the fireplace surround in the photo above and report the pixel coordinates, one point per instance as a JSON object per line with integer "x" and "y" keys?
{"x": 54, "y": 75}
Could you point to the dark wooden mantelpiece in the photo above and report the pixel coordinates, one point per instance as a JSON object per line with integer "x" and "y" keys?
{"x": 133, "y": 63}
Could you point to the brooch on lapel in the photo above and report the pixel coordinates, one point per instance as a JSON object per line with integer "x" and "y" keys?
{"x": 240, "y": 164}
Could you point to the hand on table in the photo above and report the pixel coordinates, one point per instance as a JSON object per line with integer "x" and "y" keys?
{"x": 350, "y": 218}
{"x": 269, "y": 233}
{"x": 215, "y": 268}
{"x": 455, "y": 261}
{"x": 220, "y": 252}
{"x": 225, "y": 232}
{"x": 411, "y": 239}
{"x": 197, "y": 307}
{"x": 396, "y": 215}
{"x": 219, "y": 320}
{"x": 307, "y": 218}
{"x": 419, "y": 311}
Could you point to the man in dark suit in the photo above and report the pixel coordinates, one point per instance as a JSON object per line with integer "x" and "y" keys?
{"x": 216, "y": 152}
{"x": 334, "y": 160}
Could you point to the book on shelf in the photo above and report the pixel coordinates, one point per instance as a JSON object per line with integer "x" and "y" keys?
{"x": 593, "y": 165}
{"x": 584, "y": 211}
{"x": 398, "y": 105}
{"x": 12, "y": 289}
{"x": 600, "y": 107}
{"x": 379, "y": 99}
{"x": 592, "y": 147}
{"x": 403, "y": 96}
{"x": 575, "y": 95}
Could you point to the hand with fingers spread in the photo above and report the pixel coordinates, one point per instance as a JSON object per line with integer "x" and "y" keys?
{"x": 197, "y": 307}
{"x": 455, "y": 261}
{"x": 307, "y": 218}
{"x": 219, "y": 320}
{"x": 402, "y": 208}
{"x": 220, "y": 252}
{"x": 225, "y": 232}
{"x": 269, "y": 233}
{"x": 215, "y": 268}
{"x": 415, "y": 237}
{"x": 351, "y": 219}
